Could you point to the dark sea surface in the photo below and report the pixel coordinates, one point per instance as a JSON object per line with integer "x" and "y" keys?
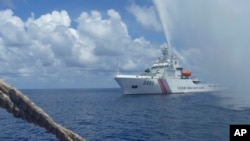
{"x": 108, "y": 115}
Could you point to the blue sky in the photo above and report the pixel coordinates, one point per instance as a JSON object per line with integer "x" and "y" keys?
{"x": 75, "y": 44}
{"x": 24, "y": 8}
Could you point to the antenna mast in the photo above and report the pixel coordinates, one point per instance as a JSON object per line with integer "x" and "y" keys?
{"x": 118, "y": 71}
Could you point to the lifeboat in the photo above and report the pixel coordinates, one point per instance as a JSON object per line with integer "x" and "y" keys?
{"x": 186, "y": 73}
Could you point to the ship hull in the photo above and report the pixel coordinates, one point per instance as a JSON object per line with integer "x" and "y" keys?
{"x": 136, "y": 84}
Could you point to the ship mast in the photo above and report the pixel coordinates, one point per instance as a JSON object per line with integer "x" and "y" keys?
{"x": 165, "y": 53}
{"x": 118, "y": 70}
{"x": 166, "y": 57}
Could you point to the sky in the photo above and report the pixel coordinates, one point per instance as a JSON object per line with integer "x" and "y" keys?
{"x": 77, "y": 44}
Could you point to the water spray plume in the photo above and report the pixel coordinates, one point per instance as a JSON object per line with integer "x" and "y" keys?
{"x": 162, "y": 11}
{"x": 218, "y": 33}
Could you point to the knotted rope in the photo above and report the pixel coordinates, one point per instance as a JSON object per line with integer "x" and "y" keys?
{"x": 22, "y": 107}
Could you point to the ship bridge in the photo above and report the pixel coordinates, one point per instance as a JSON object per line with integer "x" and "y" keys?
{"x": 165, "y": 66}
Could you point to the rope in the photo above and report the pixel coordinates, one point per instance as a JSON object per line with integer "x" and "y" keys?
{"x": 22, "y": 107}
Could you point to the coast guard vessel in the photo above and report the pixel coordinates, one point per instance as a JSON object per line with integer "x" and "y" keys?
{"x": 165, "y": 77}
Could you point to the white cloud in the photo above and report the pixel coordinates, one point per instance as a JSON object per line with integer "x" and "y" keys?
{"x": 110, "y": 35}
{"x": 111, "y": 38}
{"x": 146, "y": 16}
{"x": 14, "y": 24}
{"x": 48, "y": 48}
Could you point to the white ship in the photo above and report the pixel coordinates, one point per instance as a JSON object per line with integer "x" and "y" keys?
{"x": 165, "y": 77}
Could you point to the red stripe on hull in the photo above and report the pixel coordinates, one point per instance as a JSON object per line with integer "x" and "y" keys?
{"x": 163, "y": 86}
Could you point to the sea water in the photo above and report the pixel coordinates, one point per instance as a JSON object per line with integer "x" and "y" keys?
{"x": 108, "y": 115}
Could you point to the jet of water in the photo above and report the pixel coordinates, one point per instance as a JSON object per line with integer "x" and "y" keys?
{"x": 162, "y": 11}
